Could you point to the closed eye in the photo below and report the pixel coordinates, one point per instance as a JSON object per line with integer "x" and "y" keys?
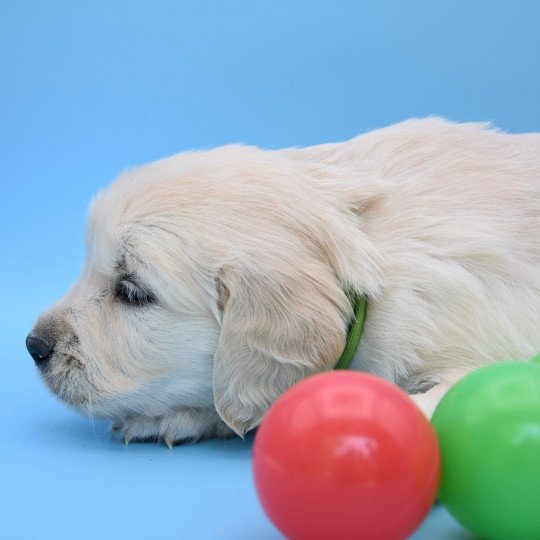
{"x": 131, "y": 293}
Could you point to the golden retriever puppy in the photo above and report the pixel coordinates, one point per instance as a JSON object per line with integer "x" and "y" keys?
{"x": 216, "y": 280}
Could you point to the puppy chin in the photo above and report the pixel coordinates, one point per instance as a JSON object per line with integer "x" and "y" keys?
{"x": 74, "y": 389}
{"x": 68, "y": 382}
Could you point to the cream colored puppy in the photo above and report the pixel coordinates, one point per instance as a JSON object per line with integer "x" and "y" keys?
{"x": 216, "y": 280}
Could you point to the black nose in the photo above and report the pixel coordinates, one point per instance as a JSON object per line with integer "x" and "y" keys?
{"x": 40, "y": 349}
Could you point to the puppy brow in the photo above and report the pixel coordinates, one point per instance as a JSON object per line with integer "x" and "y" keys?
{"x": 123, "y": 270}
{"x": 120, "y": 267}
{"x": 128, "y": 257}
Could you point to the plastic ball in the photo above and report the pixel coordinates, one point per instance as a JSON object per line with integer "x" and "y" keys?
{"x": 489, "y": 432}
{"x": 346, "y": 455}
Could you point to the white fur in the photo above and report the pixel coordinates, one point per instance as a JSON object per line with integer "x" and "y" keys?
{"x": 249, "y": 252}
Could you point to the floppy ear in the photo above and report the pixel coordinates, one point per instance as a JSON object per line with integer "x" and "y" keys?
{"x": 277, "y": 327}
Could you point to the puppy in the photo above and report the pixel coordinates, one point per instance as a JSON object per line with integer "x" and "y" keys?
{"x": 216, "y": 280}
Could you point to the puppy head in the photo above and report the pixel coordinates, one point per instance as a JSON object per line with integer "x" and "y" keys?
{"x": 213, "y": 280}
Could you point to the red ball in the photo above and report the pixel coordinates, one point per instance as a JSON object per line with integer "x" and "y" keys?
{"x": 346, "y": 455}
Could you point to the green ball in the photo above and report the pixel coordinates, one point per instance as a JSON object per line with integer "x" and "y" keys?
{"x": 489, "y": 434}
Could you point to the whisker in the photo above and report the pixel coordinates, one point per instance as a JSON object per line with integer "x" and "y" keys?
{"x": 91, "y": 415}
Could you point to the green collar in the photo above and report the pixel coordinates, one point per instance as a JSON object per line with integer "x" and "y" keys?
{"x": 359, "y": 305}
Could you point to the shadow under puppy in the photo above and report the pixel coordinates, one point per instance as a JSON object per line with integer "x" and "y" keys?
{"x": 216, "y": 280}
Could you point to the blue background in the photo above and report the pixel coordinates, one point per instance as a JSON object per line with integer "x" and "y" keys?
{"x": 90, "y": 88}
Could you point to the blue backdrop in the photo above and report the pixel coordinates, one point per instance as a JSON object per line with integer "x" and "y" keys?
{"x": 90, "y": 88}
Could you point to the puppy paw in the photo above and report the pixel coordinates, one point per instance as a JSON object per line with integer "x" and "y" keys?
{"x": 428, "y": 401}
{"x": 184, "y": 426}
{"x": 138, "y": 428}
